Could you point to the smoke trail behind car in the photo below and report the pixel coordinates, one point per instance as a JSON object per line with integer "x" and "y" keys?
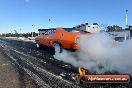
{"x": 99, "y": 53}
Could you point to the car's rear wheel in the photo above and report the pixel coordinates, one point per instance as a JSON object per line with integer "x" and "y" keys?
{"x": 57, "y": 47}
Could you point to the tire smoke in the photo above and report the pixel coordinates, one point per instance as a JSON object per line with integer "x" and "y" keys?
{"x": 99, "y": 54}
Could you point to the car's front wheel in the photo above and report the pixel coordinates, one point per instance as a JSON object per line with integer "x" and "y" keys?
{"x": 38, "y": 45}
{"x": 57, "y": 47}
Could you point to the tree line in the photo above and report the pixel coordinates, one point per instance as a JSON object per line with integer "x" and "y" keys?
{"x": 26, "y": 35}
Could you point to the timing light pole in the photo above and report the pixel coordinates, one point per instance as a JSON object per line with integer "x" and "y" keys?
{"x": 49, "y": 23}
{"x": 126, "y": 18}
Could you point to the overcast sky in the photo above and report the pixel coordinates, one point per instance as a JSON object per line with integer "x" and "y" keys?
{"x": 30, "y": 15}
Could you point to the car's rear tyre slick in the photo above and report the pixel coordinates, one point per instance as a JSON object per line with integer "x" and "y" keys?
{"x": 57, "y": 47}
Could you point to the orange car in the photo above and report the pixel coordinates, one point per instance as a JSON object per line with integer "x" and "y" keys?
{"x": 59, "y": 38}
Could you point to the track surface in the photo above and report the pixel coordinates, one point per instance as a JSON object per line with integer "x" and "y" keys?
{"x": 40, "y": 64}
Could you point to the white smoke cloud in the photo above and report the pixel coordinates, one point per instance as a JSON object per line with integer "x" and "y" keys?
{"x": 99, "y": 54}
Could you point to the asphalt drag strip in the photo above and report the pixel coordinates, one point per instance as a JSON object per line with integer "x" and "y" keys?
{"x": 43, "y": 68}
{"x": 42, "y": 77}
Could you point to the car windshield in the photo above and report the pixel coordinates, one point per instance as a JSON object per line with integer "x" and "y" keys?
{"x": 46, "y": 31}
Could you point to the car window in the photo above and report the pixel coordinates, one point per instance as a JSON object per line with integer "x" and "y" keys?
{"x": 50, "y": 31}
{"x": 47, "y": 32}
{"x": 53, "y": 31}
{"x": 42, "y": 32}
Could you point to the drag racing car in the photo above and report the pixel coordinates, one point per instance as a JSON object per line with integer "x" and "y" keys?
{"x": 59, "y": 38}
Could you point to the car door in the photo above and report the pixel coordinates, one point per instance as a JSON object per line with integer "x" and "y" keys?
{"x": 46, "y": 37}
{"x": 50, "y": 36}
{"x": 42, "y": 39}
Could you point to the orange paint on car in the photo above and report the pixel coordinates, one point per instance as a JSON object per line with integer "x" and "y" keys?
{"x": 66, "y": 37}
